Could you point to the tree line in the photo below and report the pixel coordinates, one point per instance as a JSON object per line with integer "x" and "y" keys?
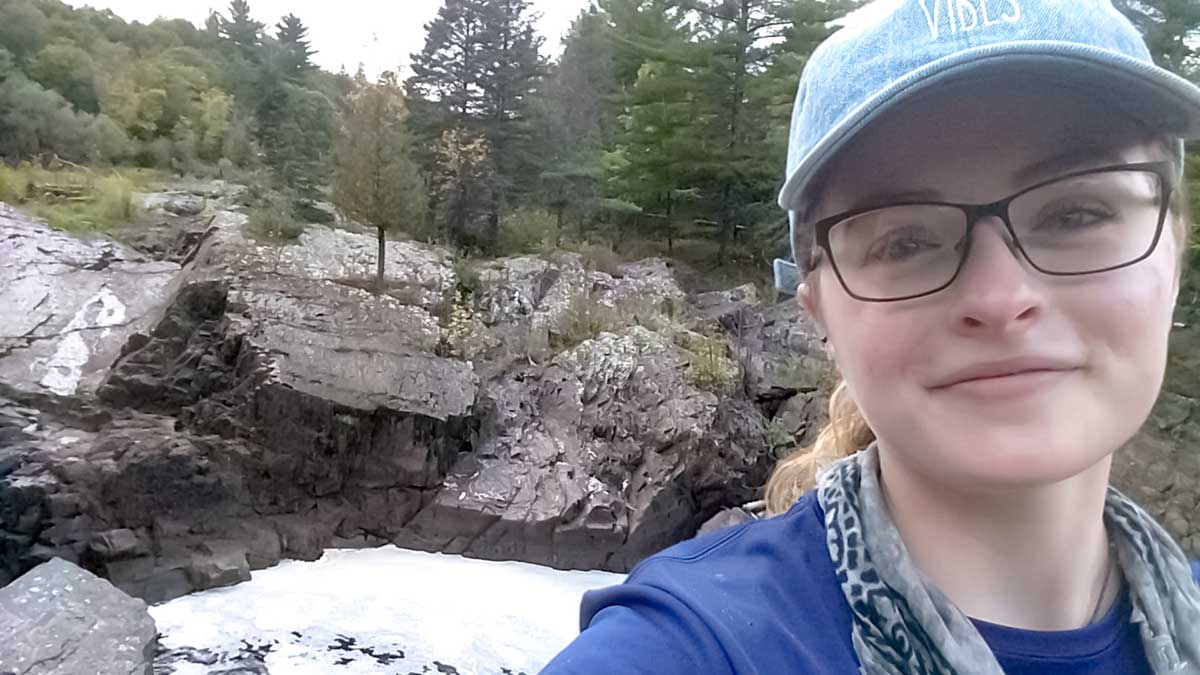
{"x": 657, "y": 110}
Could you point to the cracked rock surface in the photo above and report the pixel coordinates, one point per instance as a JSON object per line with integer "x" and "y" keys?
{"x": 59, "y": 619}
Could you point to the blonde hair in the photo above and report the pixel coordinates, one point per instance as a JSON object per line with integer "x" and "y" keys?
{"x": 847, "y": 431}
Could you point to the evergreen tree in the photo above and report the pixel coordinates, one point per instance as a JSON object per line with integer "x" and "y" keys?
{"x": 295, "y": 130}
{"x": 584, "y": 88}
{"x": 514, "y": 75}
{"x": 658, "y": 145}
{"x": 295, "y": 50}
{"x": 450, "y": 69}
{"x": 741, "y": 39}
{"x": 212, "y": 25}
{"x": 1171, "y": 29}
{"x": 376, "y": 181}
{"x": 578, "y": 118}
{"x": 478, "y": 72}
{"x": 244, "y": 32}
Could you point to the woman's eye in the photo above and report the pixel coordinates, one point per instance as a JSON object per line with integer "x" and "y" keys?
{"x": 898, "y": 247}
{"x": 1074, "y": 219}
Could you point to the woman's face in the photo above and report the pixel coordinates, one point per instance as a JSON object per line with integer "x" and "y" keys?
{"x": 1107, "y": 332}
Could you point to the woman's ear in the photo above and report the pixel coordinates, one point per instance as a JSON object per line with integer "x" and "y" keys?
{"x": 806, "y": 292}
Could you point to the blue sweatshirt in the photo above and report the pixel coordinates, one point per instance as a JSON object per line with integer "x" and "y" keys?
{"x": 761, "y": 598}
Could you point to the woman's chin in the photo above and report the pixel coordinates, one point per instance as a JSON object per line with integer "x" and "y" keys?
{"x": 1013, "y": 459}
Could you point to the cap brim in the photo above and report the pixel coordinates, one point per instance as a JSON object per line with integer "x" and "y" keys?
{"x": 1157, "y": 97}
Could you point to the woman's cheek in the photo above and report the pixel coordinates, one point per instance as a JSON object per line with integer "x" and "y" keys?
{"x": 885, "y": 347}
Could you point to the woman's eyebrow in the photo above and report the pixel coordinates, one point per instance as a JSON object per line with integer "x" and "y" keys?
{"x": 886, "y": 197}
{"x": 1078, "y": 158}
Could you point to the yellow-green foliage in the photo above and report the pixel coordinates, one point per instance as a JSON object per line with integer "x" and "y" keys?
{"x": 14, "y": 183}
{"x": 114, "y": 200}
{"x": 76, "y": 200}
{"x": 467, "y": 276}
{"x": 585, "y": 319}
{"x": 273, "y": 223}
{"x": 598, "y": 257}
{"x": 709, "y": 366}
{"x": 526, "y": 231}
{"x": 462, "y": 331}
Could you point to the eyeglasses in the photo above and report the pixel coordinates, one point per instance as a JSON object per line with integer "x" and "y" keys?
{"x": 1082, "y": 223}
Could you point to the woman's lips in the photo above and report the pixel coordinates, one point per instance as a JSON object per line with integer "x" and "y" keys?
{"x": 1015, "y": 384}
{"x": 1012, "y": 376}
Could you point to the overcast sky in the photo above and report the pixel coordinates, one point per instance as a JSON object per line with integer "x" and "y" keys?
{"x": 380, "y": 34}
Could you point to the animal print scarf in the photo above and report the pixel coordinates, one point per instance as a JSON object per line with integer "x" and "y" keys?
{"x": 905, "y": 626}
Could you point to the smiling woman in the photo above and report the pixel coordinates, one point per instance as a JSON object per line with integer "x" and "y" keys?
{"x": 986, "y": 207}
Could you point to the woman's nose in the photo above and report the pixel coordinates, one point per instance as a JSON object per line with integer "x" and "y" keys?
{"x": 996, "y": 290}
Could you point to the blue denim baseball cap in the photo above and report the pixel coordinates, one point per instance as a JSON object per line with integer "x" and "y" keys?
{"x": 901, "y": 48}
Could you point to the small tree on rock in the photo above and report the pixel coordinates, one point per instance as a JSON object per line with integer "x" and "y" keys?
{"x": 376, "y": 180}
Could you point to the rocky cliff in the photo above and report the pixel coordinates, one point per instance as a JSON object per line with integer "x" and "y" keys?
{"x": 189, "y": 405}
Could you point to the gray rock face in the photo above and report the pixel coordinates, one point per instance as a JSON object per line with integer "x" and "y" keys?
{"x": 70, "y": 305}
{"x": 59, "y": 619}
{"x": 575, "y": 467}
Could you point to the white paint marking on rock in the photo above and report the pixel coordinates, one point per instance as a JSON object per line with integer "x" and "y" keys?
{"x": 64, "y": 369}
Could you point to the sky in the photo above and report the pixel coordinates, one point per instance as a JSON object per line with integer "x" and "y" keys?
{"x": 379, "y": 611}
{"x": 381, "y": 35}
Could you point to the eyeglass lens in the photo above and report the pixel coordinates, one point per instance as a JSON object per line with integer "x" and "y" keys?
{"x": 1077, "y": 225}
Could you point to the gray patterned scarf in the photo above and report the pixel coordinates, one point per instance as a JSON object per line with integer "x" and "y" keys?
{"x": 905, "y": 626}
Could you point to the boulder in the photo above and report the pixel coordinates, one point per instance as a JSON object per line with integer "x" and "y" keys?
{"x": 725, "y": 519}
{"x": 59, "y": 619}
{"x": 185, "y": 205}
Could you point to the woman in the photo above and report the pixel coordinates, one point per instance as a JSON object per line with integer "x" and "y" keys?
{"x": 987, "y": 208}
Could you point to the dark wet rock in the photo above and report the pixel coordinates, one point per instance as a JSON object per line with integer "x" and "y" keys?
{"x": 215, "y": 570}
{"x": 724, "y": 519}
{"x": 59, "y": 619}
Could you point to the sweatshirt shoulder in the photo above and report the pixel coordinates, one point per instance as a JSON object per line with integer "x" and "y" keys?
{"x": 801, "y": 525}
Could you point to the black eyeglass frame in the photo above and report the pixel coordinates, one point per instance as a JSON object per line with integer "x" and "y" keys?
{"x": 1165, "y": 170}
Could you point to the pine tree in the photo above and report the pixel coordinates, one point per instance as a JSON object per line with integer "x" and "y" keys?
{"x": 515, "y": 73}
{"x": 450, "y": 69}
{"x": 295, "y": 50}
{"x": 584, "y": 87}
{"x": 1171, "y": 29}
{"x": 478, "y": 72}
{"x": 295, "y": 130}
{"x": 244, "y": 32}
{"x": 579, "y": 118}
{"x": 659, "y": 143}
{"x": 376, "y": 181}
{"x": 212, "y": 25}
